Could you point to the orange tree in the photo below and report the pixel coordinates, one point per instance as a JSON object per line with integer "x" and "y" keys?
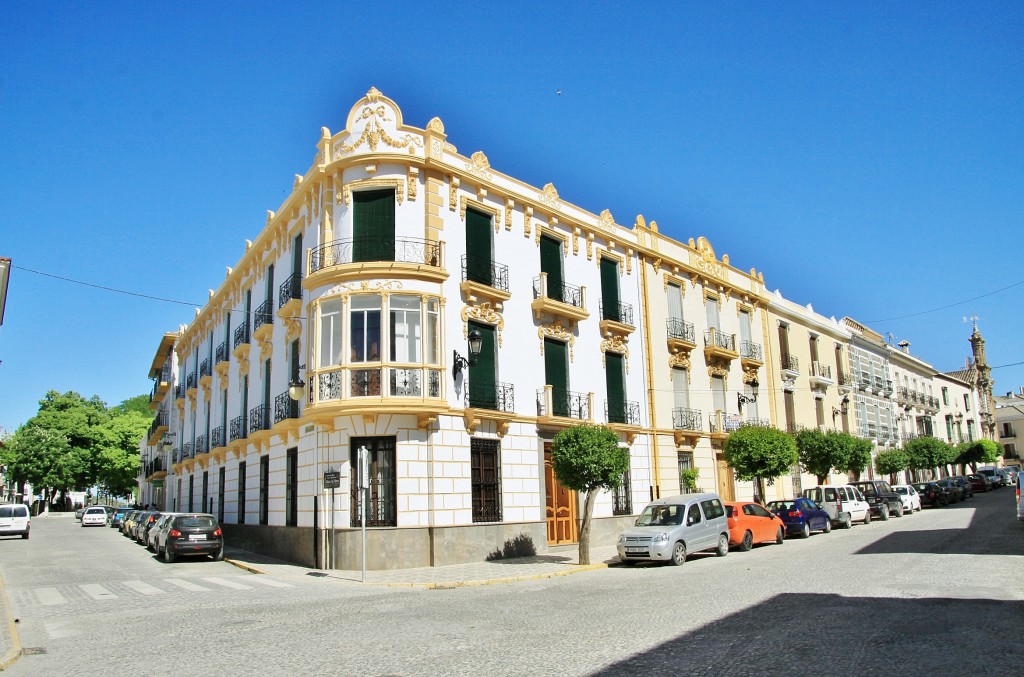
{"x": 759, "y": 454}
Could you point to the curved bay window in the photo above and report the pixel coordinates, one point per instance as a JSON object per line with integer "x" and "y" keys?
{"x": 377, "y": 346}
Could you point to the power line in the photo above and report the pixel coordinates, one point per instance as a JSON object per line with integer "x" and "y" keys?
{"x": 951, "y": 305}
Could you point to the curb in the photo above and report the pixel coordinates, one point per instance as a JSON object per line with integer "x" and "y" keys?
{"x": 13, "y": 652}
{"x": 242, "y": 565}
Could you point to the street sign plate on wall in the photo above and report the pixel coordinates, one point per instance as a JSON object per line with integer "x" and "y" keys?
{"x": 332, "y": 480}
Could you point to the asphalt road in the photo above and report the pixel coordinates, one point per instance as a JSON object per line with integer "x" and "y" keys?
{"x": 937, "y": 592}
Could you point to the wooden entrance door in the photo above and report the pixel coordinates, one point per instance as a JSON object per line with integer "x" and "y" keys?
{"x": 725, "y": 480}
{"x": 561, "y": 506}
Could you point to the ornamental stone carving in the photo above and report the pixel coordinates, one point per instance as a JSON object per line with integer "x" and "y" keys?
{"x": 483, "y": 312}
{"x": 556, "y": 331}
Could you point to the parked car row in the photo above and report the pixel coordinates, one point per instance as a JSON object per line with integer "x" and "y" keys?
{"x": 170, "y": 535}
{"x": 669, "y": 529}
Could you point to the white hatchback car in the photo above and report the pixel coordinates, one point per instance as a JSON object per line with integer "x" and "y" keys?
{"x": 908, "y": 494}
{"x": 96, "y": 516}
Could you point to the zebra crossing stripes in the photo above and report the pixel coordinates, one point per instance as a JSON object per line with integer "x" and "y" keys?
{"x": 143, "y": 588}
{"x": 52, "y": 596}
{"x": 234, "y": 585}
{"x": 264, "y": 580}
{"x": 187, "y": 585}
{"x": 97, "y": 591}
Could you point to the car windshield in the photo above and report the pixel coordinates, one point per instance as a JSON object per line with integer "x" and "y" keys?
{"x": 901, "y": 490}
{"x": 195, "y": 522}
{"x": 661, "y": 515}
{"x": 782, "y": 505}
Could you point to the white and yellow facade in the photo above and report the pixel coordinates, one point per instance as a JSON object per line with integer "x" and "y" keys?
{"x": 449, "y": 319}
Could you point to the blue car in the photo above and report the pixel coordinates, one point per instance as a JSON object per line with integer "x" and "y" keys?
{"x": 801, "y": 516}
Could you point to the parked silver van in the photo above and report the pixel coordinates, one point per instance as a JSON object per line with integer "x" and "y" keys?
{"x": 14, "y": 520}
{"x": 670, "y": 528}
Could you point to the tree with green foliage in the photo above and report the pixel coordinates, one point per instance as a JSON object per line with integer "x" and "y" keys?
{"x": 119, "y": 450}
{"x": 138, "y": 404}
{"x": 928, "y": 453}
{"x": 760, "y": 454}
{"x": 821, "y": 452}
{"x": 858, "y": 455}
{"x": 890, "y": 462}
{"x": 978, "y": 451}
{"x": 588, "y": 458}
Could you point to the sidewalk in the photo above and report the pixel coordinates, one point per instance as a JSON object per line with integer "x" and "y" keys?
{"x": 560, "y": 561}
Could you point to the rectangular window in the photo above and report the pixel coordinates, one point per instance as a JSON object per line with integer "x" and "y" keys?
{"x": 485, "y": 466}
{"x": 380, "y": 507}
{"x": 478, "y": 247}
{"x": 967, "y": 402}
{"x": 191, "y": 492}
{"x": 431, "y": 350}
{"x": 551, "y": 265}
{"x": 623, "y": 503}
{"x": 365, "y": 328}
{"x": 970, "y": 431}
{"x": 681, "y": 388}
{"x": 556, "y": 375}
{"x": 745, "y": 335}
{"x": 220, "y": 495}
{"x": 264, "y": 490}
{"x": 241, "y": 493}
{"x": 330, "y": 332}
{"x": 406, "y": 334}
{"x": 945, "y": 395}
{"x": 819, "y": 412}
{"x": 675, "y": 302}
{"x": 615, "y": 382}
{"x": 789, "y": 405}
{"x": 483, "y": 370}
{"x": 685, "y": 460}
{"x": 292, "y": 488}
{"x": 711, "y": 312}
{"x": 610, "y": 290}
{"x": 373, "y": 225}
{"x": 206, "y": 491}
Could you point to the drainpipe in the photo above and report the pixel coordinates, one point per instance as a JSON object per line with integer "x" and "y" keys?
{"x": 649, "y": 375}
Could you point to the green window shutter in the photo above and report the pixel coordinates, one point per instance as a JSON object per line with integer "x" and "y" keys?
{"x": 478, "y": 247}
{"x": 556, "y": 375}
{"x": 615, "y": 382}
{"x": 483, "y": 373}
{"x": 609, "y": 289}
{"x": 551, "y": 263}
{"x": 373, "y": 225}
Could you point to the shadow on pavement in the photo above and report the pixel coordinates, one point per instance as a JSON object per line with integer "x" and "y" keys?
{"x": 791, "y": 633}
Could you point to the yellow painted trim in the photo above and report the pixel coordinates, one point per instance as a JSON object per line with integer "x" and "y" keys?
{"x": 649, "y": 364}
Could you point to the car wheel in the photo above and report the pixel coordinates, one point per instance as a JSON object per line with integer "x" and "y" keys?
{"x": 219, "y": 555}
{"x": 748, "y": 542}
{"x": 828, "y": 526}
{"x": 25, "y": 535}
{"x": 168, "y": 555}
{"x": 678, "y": 554}
{"x": 723, "y": 545}
{"x": 805, "y": 531}
{"x": 883, "y": 513}
{"x": 899, "y": 510}
{"x": 867, "y": 517}
{"x": 780, "y": 536}
{"x": 848, "y": 522}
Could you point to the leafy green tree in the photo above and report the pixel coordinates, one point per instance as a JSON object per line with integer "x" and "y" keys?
{"x": 857, "y": 456}
{"x": 588, "y": 458}
{"x": 759, "y": 454}
{"x": 119, "y": 450}
{"x": 978, "y": 451}
{"x": 139, "y": 404}
{"x": 892, "y": 461}
{"x": 820, "y": 452}
{"x": 927, "y": 453}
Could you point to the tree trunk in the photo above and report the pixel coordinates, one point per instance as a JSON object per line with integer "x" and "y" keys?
{"x": 759, "y": 491}
{"x": 588, "y": 511}
{"x": 821, "y": 479}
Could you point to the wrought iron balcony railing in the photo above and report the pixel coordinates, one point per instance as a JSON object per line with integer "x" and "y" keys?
{"x": 285, "y": 407}
{"x": 483, "y": 270}
{"x": 159, "y": 421}
{"x": 238, "y": 431}
{"x": 491, "y": 395}
{"x": 687, "y": 419}
{"x": 789, "y": 362}
{"x": 259, "y": 418}
{"x": 200, "y": 445}
{"x": 217, "y": 437}
{"x": 186, "y": 451}
{"x": 290, "y": 289}
{"x": 847, "y": 379}
{"x": 617, "y": 312}
{"x": 368, "y": 249}
{"x": 751, "y": 351}
{"x": 680, "y": 329}
{"x": 365, "y": 383}
{"x": 191, "y": 381}
{"x": 715, "y": 338}
{"x": 179, "y": 391}
{"x": 622, "y": 412}
{"x": 564, "y": 403}
{"x": 264, "y": 315}
{"x": 205, "y": 368}
{"x": 242, "y": 333}
{"x": 410, "y": 382}
{"x": 543, "y": 287}
{"x": 821, "y": 370}
{"x": 223, "y": 354}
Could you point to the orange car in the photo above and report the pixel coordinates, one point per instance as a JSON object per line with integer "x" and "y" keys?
{"x": 750, "y": 523}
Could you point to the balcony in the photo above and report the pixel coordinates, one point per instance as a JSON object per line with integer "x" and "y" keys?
{"x": 179, "y": 391}
{"x": 821, "y": 375}
{"x": 205, "y": 368}
{"x": 488, "y": 395}
{"x": 561, "y": 403}
{"x": 186, "y": 451}
{"x": 259, "y": 418}
{"x": 157, "y": 428}
{"x": 751, "y": 355}
{"x": 616, "y": 319}
{"x": 161, "y": 384}
{"x": 623, "y": 412}
{"x": 263, "y": 321}
{"x": 200, "y": 446}
{"x": 847, "y": 382}
{"x": 562, "y": 301}
{"x": 688, "y": 424}
{"x": 285, "y": 408}
{"x": 681, "y": 336}
{"x": 719, "y": 346}
{"x": 484, "y": 280}
{"x": 1007, "y": 431}
{"x": 288, "y": 292}
{"x": 790, "y": 365}
{"x": 237, "y": 429}
{"x": 363, "y": 257}
{"x": 720, "y": 424}
{"x": 241, "y": 335}
{"x": 217, "y": 438}
{"x": 191, "y": 381}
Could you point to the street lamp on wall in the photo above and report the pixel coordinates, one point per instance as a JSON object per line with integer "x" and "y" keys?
{"x": 476, "y": 344}
{"x": 297, "y": 387}
{"x": 842, "y": 409}
{"x": 742, "y": 399}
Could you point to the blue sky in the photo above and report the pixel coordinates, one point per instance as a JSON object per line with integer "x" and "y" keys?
{"x": 868, "y": 158}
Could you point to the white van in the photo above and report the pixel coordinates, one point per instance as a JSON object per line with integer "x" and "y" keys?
{"x": 670, "y": 528}
{"x": 843, "y": 503}
{"x": 14, "y": 520}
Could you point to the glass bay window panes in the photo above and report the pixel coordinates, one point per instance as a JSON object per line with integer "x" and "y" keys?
{"x": 330, "y": 333}
{"x": 406, "y": 335}
{"x": 431, "y": 349}
{"x": 365, "y": 328}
